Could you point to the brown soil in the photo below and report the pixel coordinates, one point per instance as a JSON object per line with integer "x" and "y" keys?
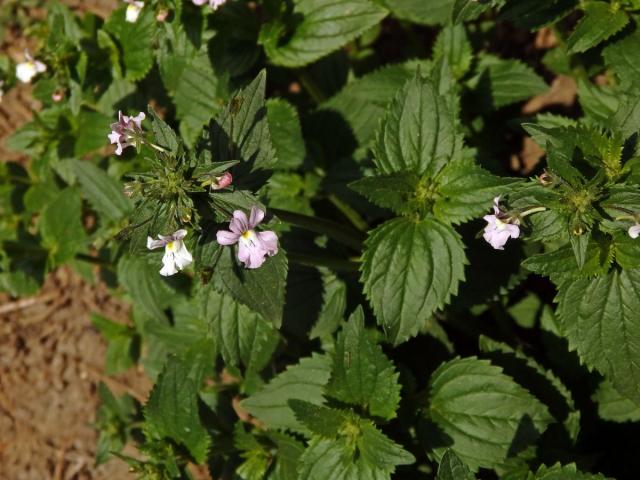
{"x": 51, "y": 357}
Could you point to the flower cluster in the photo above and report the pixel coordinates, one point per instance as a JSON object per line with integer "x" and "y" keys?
{"x": 126, "y": 132}
{"x": 176, "y": 256}
{"x": 28, "y": 69}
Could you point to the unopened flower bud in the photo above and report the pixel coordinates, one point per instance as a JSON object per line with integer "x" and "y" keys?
{"x": 546, "y": 179}
{"x": 223, "y": 181}
{"x": 58, "y": 95}
{"x": 162, "y": 15}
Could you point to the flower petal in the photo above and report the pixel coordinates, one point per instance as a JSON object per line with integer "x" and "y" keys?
{"x": 181, "y": 256}
{"x": 168, "y": 265}
{"x": 179, "y": 234}
{"x": 256, "y": 217}
{"x": 153, "y": 244}
{"x": 269, "y": 242}
{"x": 634, "y": 231}
{"x": 239, "y": 224}
{"x": 224, "y": 237}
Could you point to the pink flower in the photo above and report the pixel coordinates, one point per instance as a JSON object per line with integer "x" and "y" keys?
{"x": 634, "y": 231}
{"x": 215, "y": 4}
{"x": 252, "y": 246}
{"x": 222, "y": 181}
{"x": 500, "y": 229}
{"x": 176, "y": 256}
{"x": 126, "y": 132}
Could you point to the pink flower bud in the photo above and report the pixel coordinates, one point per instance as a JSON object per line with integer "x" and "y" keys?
{"x": 223, "y": 181}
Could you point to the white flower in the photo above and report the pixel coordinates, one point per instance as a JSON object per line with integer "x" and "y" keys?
{"x": 176, "y": 256}
{"x": 133, "y": 10}
{"x": 499, "y": 230}
{"x": 634, "y": 231}
{"x": 215, "y": 4}
{"x": 28, "y": 69}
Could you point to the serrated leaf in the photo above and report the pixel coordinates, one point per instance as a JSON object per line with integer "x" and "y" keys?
{"x": 464, "y": 10}
{"x": 599, "y": 319}
{"x": 323, "y": 27}
{"x": 60, "y": 225}
{"x": 320, "y": 420}
{"x": 434, "y": 12}
{"x": 465, "y": 190}
{"x": 103, "y": 192}
{"x": 334, "y": 305}
{"x": 601, "y": 20}
{"x": 614, "y": 407}
{"x": 454, "y": 46}
{"x": 163, "y": 134}
{"x": 172, "y": 409}
{"x": 599, "y": 103}
{"x": 501, "y": 82}
{"x": 533, "y": 14}
{"x": 241, "y": 130}
{"x": 134, "y": 40}
{"x": 623, "y": 58}
{"x": 261, "y": 289}
{"x": 362, "y": 374}
{"x": 418, "y": 132}
{"x": 286, "y": 133}
{"x": 364, "y": 452}
{"x": 409, "y": 270}
{"x": 363, "y": 101}
{"x": 242, "y": 336}
{"x": 482, "y": 413}
{"x": 90, "y": 134}
{"x": 289, "y": 452}
{"x": 559, "y": 472}
{"x": 303, "y": 381}
{"x": 560, "y": 264}
{"x": 395, "y": 191}
{"x": 452, "y": 468}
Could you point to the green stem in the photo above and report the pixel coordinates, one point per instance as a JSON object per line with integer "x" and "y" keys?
{"x": 531, "y": 211}
{"x": 353, "y": 216}
{"x": 340, "y": 233}
{"x": 333, "y": 263}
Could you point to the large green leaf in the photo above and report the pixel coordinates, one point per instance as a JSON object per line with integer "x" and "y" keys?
{"x": 172, "y": 409}
{"x": 362, "y": 374}
{"x": 614, "y": 407}
{"x": 623, "y": 57}
{"x": 103, "y": 192}
{"x": 396, "y": 191}
{"x": 323, "y": 26}
{"x": 261, "y": 289}
{"x": 466, "y": 190}
{"x": 418, "y": 132}
{"x": 599, "y": 317}
{"x": 61, "y": 227}
{"x": 242, "y": 335}
{"x": 601, "y": 20}
{"x": 303, "y": 381}
{"x": 409, "y": 270}
{"x": 432, "y": 12}
{"x": 481, "y": 413}
{"x": 286, "y": 133}
{"x": 241, "y": 130}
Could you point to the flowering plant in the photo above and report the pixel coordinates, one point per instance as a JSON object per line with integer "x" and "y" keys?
{"x": 340, "y": 263}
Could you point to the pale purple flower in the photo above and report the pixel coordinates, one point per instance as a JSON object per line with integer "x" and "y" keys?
{"x": 134, "y": 8}
{"x": 28, "y": 69}
{"x": 499, "y": 229}
{"x": 215, "y": 4}
{"x": 634, "y": 231}
{"x": 126, "y": 132}
{"x": 176, "y": 256}
{"x": 252, "y": 246}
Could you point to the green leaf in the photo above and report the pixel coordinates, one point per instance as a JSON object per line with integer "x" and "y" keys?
{"x": 323, "y": 26}
{"x": 482, "y": 413}
{"x": 409, "y": 270}
{"x": 601, "y": 20}
{"x": 561, "y": 264}
{"x": 286, "y": 133}
{"x": 121, "y": 352}
{"x": 452, "y": 468}
{"x": 363, "y": 102}
{"x": 323, "y": 421}
{"x": 559, "y": 472}
{"x": 454, "y": 46}
{"x": 303, "y": 381}
{"x": 362, "y": 374}
{"x": 163, "y": 134}
{"x": 103, "y": 192}
{"x": 334, "y": 305}
{"x": 623, "y": 58}
{"x": 289, "y": 452}
{"x": 135, "y": 40}
{"x": 599, "y": 318}
{"x": 90, "y": 133}
{"x": 464, "y": 10}
{"x": 172, "y": 409}
{"x": 361, "y": 452}
{"x": 61, "y": 227}
{"x": 419, "y": 131}
{"x": 533, "y": 14}
{"x": 614, "y": 407}
{"x": 395, "y": 191}
{"x": 599, "y": 103}
{"x": 241, "y": 130}
{"x": 433, "y": 12}
{"x": 501, "y": 82}
{"x": 242, "y": 335}
{"x": 466, "y": 190}
{"x": 261, "y": 289}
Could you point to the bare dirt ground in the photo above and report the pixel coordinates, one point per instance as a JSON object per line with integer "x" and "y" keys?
{"x": 51, "y": 357}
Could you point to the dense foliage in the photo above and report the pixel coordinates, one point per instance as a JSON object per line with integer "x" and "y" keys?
{"x": 333, "y": 269}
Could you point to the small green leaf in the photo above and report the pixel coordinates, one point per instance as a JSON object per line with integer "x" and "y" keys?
{"x": 409, "y": 270}
{"x": 454, "y": 46}
{"x": 419, "y": 131}
{"x": 121, "y": 353}
{"x": 334, "y": 305}
{"x": 599, "y": 318}
{"x": 323, "y": 421}
{"x": 623, "y": 57}
{"x": 452, "y": 468}
{"x": 395, "y": 191}
{"x": 286, "y": 133}
{"x": 614, "y": 407}
{"x": 261, "y": 289}
{"x": 103, "y": 192}
{"x": 464, "y": 10}
{"x": 163, "y": 134}
{"x": 433, "y": 12}
{"x": 323, "y": 27}
{"x": 61, "y": 227}
{"x": 482, "y": 413}
{"x": 559, "y": 472}
{"x": 303, "y": 381}
{"x": 362, "y": 374}
{"x": 601, "y": 20}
